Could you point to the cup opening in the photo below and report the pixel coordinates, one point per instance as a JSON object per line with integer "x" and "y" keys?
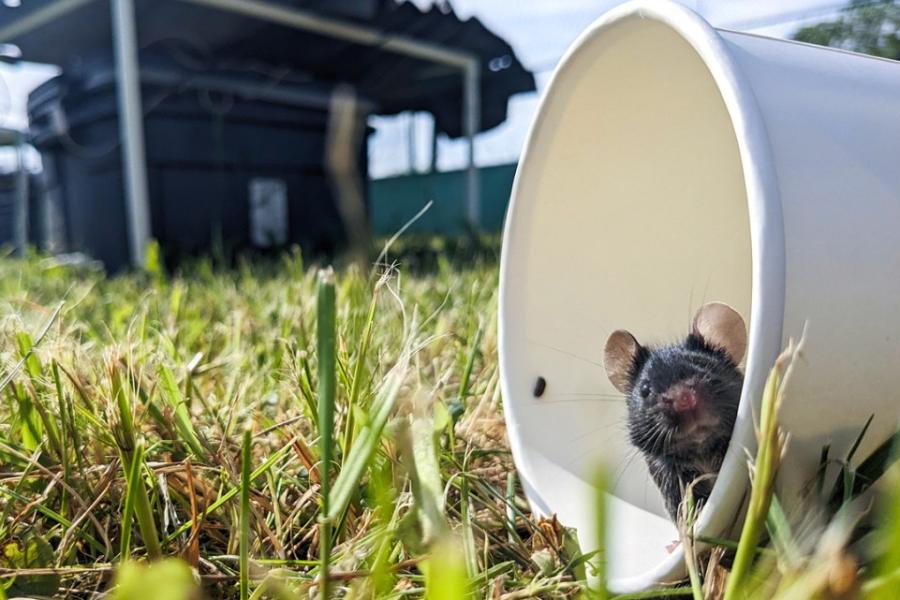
{"x": 632, "y": 207}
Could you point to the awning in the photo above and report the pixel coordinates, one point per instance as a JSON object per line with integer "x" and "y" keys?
{"x": 208, "y": 40}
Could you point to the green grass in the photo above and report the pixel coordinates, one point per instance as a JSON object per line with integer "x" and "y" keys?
{"x": 288, "y": 434}
{"x": 121, "y": 428}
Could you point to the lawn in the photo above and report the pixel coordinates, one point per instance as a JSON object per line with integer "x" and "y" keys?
{"x": 183, "y": 421}
{"x": 125, "y": 401}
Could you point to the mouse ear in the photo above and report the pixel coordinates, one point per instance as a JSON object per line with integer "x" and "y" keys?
{"x": 722, "y": 327}
{"x": 618, "y": 358}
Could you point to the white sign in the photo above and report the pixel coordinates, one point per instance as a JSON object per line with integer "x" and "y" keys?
{"x": 268, "y": 212}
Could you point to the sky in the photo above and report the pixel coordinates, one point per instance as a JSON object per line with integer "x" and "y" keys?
{"x": 539, "y": 31}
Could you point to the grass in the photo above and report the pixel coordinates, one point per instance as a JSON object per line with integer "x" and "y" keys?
{"x": 287, "y": 432}
{"x": 123, "y": 421}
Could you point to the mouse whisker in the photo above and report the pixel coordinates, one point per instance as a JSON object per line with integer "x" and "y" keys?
{"x": 567, "y": 353}
{"x": 649, "y": 438}
{"x": 659, "y": 439}
{"x": 594, "y": 394}
{"x": 615, "y": 397}
{"x": 625, "y": 465}
{"x": 593, "y": 431}
{"x": 596, "y": 447}
{"x": 557, "y": 400}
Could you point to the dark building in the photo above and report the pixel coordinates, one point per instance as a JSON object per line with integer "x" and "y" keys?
{"x": 244, "y": 112}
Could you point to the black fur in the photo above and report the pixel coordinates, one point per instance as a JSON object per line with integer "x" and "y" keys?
{"x": 676, "y": 457}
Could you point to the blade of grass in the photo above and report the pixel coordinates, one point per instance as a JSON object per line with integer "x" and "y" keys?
{"x": 445, "y": 572}
{"x": 126, "y": 438}
{"x": 823, "y": 470}
{"x": 457, "y": 408}
{"x": 246, "y": 456}
{"x": 173, "y": 395}
{"x": 859, "y": 439}
{"x": 687, "y": 515}
{"x": 132, "y": 481}
{"x": 35, "y": 372}
{"x": 8, "y": 506}
{"x": 885, "y": 578}
{"x": 67, "y": 427}
{"x": 325, "y": 333}
{"x": 782, "y": 535}
{"x": 768, "y": 456}
{"x": 30, "y": 430}
{"x": 468, "y": 530}
{"x": 428, "y": 491}
{"x": 383, "y": 497}
{"x": 361, "y": 453}
{"x": 359, "y": 372}
{"x": 601, "y": 484}
{"x": 867, "y": 473}
{"x": 305, "y": 384}
{"x": 144, "y": 513}
{"x": 510, "y": 522}
{"x": 40, "y": 337}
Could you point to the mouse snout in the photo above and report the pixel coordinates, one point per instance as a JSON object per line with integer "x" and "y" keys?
{"x": 679, "y": 399}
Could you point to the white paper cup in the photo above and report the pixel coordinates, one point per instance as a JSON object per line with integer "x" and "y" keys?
{"x": 671, "y": 164}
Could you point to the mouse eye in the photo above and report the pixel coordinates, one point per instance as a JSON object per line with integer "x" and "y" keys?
{"x": 645, "y": 390}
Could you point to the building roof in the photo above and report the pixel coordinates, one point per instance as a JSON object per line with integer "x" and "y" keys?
{"x": 210, "y": 39}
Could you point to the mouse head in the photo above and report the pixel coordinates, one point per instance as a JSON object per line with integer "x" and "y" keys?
{"x": 682, "y": 398}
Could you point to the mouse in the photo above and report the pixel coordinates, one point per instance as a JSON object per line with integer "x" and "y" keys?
{"x": 682, "y": 400}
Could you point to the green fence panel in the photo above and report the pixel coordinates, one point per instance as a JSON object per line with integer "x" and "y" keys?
{"x": 393, "y": 201}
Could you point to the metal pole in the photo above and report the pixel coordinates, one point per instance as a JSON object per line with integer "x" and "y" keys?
{"x": 299, "y": 18}
{"x": 39, "y": 18}
{"x": 411, "y": 142}
{"x": 131, "y": 128}
{"x": 21, "y": 233}
{"x": 471, "y": 123}
{"x": 434, "y": 147}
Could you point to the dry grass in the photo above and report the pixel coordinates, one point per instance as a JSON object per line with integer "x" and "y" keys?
{"x": 122, "y": 427}
{"x": 156, "y": 377}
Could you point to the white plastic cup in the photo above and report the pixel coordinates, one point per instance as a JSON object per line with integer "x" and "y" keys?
{"x": 671, "y": 164}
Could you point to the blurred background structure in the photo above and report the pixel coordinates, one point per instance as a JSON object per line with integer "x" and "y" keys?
{"x": 211, "y": 117}
{"x": 229, "y": 106}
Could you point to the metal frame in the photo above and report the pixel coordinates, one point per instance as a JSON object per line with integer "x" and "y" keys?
{"x": 131, "y": 128}
{"x": 471, "y": 124}
{"x": 10, "y": 138}
{"x": 40, "y": 17}
{"x": 21, "y": 227}
{"x": 468, "y": 64}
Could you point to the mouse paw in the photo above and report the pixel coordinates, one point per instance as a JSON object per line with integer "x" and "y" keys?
{"x": 670, "y": 548}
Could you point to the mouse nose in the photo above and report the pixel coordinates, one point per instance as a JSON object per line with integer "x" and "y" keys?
{"x": 680, "y": 399}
